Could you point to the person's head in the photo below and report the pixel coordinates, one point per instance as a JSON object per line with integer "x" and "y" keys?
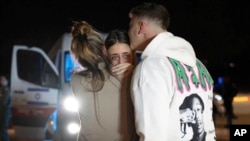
{"x": 118, "y": 48}
{"x": 3, "y": 81}
{"x": 87, "y": 48}
{"x": 195, "y": 103}
{"x": 146, "y": 21}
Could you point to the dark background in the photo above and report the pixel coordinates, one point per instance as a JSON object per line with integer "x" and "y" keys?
{"x": 217, "y": 29}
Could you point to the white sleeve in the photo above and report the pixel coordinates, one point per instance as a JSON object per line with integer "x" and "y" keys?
{"x": 151, "y": 94}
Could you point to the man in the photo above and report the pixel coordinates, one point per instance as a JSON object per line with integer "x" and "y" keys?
{"x": 167, "y": 73}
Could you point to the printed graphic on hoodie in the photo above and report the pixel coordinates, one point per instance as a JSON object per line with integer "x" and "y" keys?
{"x": 202, "y": 79}
{"x": 191, "y": 122}
{"x": 190, "y": 81}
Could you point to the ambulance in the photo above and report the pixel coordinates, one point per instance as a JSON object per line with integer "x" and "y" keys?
{"x": 43, "y": 105}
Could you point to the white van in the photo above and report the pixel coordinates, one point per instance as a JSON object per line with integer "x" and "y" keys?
{"x": 43, "y": 105}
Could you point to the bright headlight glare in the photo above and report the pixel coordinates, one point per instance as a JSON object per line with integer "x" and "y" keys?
{"x": 71, "y": 104}
{"x": 218, "y": 97}
{"x": 73, "y": 128}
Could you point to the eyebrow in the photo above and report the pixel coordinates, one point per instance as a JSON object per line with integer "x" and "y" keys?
{"x": 123, "y": 53}
{"x": 114, "y": 54}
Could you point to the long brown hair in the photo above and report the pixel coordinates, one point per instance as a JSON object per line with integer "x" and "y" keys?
{"x": 87, "y": 47}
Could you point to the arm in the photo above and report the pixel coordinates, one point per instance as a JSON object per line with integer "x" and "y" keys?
{"x": 151, "y": 94}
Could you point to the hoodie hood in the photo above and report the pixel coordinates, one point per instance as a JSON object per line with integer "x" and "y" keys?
{"x": 166, "y": 44}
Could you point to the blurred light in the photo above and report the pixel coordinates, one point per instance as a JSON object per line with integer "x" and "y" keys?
{"x": 232, "y": 65}
{"x": 218, "y": 97}
{"x": 53, "y": 121}
{"x": 220, "y": 80}
{"x": 73, "y": 128}
{"x": 71, "y": 104}
{"x": 241, "y": 99}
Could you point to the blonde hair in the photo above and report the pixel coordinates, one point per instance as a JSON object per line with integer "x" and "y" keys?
{"x": 87, "y": 47}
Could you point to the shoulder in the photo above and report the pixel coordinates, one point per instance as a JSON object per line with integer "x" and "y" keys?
{"x": 75, "y": 78}
{"x": 155, "y": 63}
{"x": 153, "y": 67}
{"x": 79, "y": 83}
{"x": 112, "y": 81}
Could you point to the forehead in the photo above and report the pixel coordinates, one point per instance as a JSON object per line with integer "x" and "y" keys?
{"x": 119, "y": 48}
{"x": 196, "y": 101}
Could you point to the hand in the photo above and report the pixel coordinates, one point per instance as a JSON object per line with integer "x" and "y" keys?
{"x": 186, "y": 119}
{"x": 187, "y": 116}
{"x": 122, "y": 70}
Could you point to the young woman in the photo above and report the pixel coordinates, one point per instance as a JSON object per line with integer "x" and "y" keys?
{"x": 119, "y": 53}
{"x": 122, "y": 60}
{"x": 104, "y": 112}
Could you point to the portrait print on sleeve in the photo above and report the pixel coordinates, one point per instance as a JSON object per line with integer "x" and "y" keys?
{"x": 191, "y": 118}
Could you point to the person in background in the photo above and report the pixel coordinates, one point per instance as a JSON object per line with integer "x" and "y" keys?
{"x": 5, "y": 108}
{"x": 228, "y": 91}
{"x": 167, "y": 73}
{"x": 103, "y": 111}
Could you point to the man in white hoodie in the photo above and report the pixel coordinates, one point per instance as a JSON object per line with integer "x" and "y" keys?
{"x": 167, "y": 73}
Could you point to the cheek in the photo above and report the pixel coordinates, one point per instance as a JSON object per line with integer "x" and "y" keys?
{"x": 132, "y": 32}
{"x": 114, "y": 63}
{"x": 132, "y": 38}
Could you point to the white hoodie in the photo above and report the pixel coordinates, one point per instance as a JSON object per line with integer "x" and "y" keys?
{"x": 164, "y": 83}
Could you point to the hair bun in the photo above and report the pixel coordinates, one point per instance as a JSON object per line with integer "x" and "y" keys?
{"x": 82, "y": 37}
{"x": 80, "y": 30}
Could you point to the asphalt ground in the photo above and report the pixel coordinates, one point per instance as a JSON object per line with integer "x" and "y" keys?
{"x": 241, "y": 109}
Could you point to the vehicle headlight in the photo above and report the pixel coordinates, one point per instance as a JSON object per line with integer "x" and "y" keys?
{"x": 73, "y": 128}
{"x": 71, "y": 104}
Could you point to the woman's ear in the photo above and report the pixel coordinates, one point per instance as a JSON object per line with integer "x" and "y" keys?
{"x": 104, "y": 50}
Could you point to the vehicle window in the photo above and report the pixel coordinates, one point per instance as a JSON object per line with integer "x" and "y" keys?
{"x": 32, "y": 67}
{"x": 68, "y": 66}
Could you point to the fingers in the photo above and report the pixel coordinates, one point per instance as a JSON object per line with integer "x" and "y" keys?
{"x": 121, "y": 71}
{"x": 187, "y": 116}
{"x": 121, "y": 68}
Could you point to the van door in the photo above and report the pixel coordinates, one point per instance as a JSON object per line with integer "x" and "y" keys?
{"x": 35, "y": 89}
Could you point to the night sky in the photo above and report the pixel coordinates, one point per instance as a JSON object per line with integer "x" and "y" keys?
{"x": 217, "y": 29}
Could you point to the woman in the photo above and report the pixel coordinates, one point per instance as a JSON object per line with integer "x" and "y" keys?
{"x": 119, "y": 53}
{"x": 121, "y": 60}
{"x": 103, "y": 111}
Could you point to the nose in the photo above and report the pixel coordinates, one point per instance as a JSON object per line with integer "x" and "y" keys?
{"x": 122, "y": 60}
{"x": 195, "y": 115}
